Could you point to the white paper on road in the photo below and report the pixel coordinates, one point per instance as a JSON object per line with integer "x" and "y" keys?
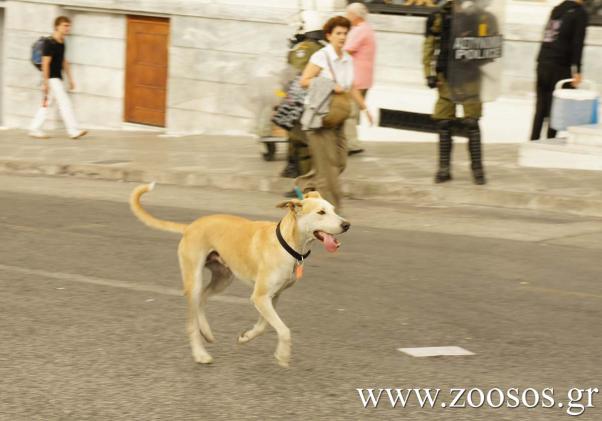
{"x": 435, "y": 351}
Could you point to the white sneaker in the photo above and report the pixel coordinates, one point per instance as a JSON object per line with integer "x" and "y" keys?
{"x": 37, "y": 134}
{"x": 79, "y": 134}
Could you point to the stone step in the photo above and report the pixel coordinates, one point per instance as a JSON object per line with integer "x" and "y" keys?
{"x": 585, "y": 135}
{"x": 559, "y": 153}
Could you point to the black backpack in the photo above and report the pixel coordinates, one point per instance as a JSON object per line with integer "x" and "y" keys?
{"x": 37, "y": 51}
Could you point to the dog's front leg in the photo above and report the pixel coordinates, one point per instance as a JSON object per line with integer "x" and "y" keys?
{"x": 258, "y": 328}
{"x": 263, "y": 303}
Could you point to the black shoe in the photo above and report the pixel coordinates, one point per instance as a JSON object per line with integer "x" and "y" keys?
{"x": 478, "y": 176}
{"x": 290, "y": 194}
{"x": 355, "y": 152}
{"x": 290, "y": 171}
{"x": 443, "y": 175}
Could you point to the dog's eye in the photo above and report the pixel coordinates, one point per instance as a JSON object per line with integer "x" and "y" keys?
{"x": 322, "y": 212}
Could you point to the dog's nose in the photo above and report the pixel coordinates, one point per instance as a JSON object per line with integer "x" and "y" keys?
{"x": 345, "y": 225}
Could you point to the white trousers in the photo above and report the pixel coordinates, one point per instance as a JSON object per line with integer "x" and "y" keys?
{"x": 56, "y": 91}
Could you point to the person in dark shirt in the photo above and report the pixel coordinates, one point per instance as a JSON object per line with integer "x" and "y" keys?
{"x": 53, "y": 66}
{"x": 56, "y": 51}
{"x": 559, "y": 57}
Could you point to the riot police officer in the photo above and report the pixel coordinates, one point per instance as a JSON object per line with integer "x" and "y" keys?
{"x": 303, "y": 47}
{"x": 461, "y": 38}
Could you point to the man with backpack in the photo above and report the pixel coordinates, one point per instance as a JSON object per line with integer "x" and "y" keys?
{"x": 52, "y": 64}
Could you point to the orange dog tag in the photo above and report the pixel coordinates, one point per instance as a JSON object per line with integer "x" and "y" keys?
{"x": 299, "y": 271}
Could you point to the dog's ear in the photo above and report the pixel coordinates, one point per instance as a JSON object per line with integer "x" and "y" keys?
{"x": 312, "y": 195}
{"x": 293, "y": 204}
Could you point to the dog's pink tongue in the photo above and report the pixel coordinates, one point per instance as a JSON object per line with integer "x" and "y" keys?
{"x": 330, "y": 243}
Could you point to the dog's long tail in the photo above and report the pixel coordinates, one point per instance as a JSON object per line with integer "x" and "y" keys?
{"x": 146, "y": 217}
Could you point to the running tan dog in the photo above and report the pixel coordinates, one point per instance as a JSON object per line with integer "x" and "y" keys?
{"x": 262, "y": 254}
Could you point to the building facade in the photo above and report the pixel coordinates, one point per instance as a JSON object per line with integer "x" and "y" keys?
{"x": 190, "y": 66}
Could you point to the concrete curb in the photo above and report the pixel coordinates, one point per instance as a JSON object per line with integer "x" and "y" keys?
{"x": 353, "y": 188}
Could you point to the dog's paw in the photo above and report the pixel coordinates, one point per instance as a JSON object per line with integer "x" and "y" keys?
{"x": 203, "y": 358}
{"x": 283, "y": 360}
{"x": 244, "y": 337}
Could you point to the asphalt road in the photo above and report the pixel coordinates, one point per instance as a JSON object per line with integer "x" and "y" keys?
{"x": 92, "y": 326}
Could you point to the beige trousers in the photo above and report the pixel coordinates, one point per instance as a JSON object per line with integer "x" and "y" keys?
{"x": 328, "y": 150}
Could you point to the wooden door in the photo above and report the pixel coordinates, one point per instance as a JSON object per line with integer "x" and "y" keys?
{"x": 146, "y": 70}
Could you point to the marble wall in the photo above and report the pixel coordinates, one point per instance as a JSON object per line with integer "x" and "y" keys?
{"x": 219, "y": 54}
{"x": 213, "y": 64}
{"x": 96, "y": 50}
{"x": 1, "y": 60}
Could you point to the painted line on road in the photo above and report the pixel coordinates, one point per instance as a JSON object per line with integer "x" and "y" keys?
{"x": 557, "y": 291}
{"x": 71, "y": 277}
{"x": 435, "y": 351}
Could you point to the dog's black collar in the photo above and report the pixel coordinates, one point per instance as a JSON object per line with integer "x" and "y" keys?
{"x": 297, "y": 256}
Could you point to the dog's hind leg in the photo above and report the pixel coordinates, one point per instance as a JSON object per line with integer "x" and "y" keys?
{"x": 201, "y": 301}
{"x": 221, "y": 278}
{"x": 258, "y": 328}
{"x": 192, "y": 279}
